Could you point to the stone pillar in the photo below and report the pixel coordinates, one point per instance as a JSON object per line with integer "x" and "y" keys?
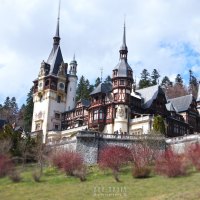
{"x": 88, "y": 146}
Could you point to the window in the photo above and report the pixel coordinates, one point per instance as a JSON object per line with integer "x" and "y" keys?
{"x": 57, "y": 115}
{"x": 115, "y": 82}
{"x": 100, "y": 114}
{"x": 95, "y": 115}
{"x": 115, "y": 97}
{"x": 37, "y": 127}
{"x": 56, "y": 127}
{"x": 41, "y": 98}
{"x": 58, "y": 99}
{"x": 122, "y": 82}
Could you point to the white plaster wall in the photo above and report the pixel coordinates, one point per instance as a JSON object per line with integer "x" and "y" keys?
{"x": 48, "y": 106}
{"x": 71, "y": 94}
{"x": 108, "y": 129}
{"x": 120, "y": 121}
{"x": 144, "y": 126}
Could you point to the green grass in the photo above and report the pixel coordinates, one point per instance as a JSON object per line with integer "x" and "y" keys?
{"x": 100, "y": 185}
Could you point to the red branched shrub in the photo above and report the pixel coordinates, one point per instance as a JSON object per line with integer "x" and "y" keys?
{"x": 5, "y": 165}
{"x": 171, "y": 164}
{"x": 114, "y": 157}
{"x": 193, "y": 155}
{"x": 68, "y": 161}
{"x": 143, "y": 156}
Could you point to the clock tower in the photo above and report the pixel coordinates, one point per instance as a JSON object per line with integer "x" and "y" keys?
{"x": 51, "y": 90}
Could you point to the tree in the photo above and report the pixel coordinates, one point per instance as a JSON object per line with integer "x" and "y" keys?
{"x": 84, "y": 89}
{"x": 97, "y": 82}
{"x": 179, "y": 80}
{"x": 176, "y": 90}
{"x": 193, "y": 84}
{"x": 166, "y": 82}
{"x": 28, "y": 111}
{"x": 108, "y": 79}
{"x": 159, "y": 124}
{"x": 154, "y": 77}
{"x": 145, "y": 80}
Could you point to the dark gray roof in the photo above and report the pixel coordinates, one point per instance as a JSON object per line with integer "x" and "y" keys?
{"x": 182, "y": 103}
{"x": 148, "y": 95}
{"x": 123, "y": 67}
{"x": 85, "y": 102}
{"x": 170, "y": 107}
{"x": 55, "y": 59}
{"x": 102, "y": 88}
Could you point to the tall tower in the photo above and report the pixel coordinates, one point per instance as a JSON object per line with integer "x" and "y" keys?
{"x": 50, "y": 90}
{"x": 72, "y": 84}
{"x": 122, "y": 80}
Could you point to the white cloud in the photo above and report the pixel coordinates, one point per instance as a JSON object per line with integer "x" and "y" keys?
{"x": 93, "y": 30}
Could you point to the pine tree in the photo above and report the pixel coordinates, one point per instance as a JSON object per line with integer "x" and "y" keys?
{"x": 145, "y": 80}
{"x": 97, "y": 82}
{"x": 179, "y": 80}
{"x": 84, "y": 89}
{"x": 108, "y": 79}
{"x": 155, "y": 77}
{"x": 28, "y": 111}
{"x": 193, "y": 84}
{"x": 166, "y": 82}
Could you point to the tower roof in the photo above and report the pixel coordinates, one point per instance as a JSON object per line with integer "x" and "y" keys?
{"x": 123, "y": 67}
{"x": 55, "y": 58}
{"x": 123, "y": 46}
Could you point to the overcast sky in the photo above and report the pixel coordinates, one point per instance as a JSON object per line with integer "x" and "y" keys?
{"x": 161, "y": 34}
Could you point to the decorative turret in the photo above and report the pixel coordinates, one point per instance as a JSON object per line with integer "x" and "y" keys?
{"x": 123, "y": 50}
{"x": 73, "y": 66}
{"x": 122, "y": 75}
{"x": 122, "y": 81}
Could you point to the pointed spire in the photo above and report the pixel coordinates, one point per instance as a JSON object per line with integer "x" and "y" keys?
{"x": 124, "y": 49}
{"x": 74, "y": 57}
{"x": 57, "y": 35}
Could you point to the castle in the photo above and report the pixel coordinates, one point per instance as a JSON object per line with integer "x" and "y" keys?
{"x": 114, "y": 107}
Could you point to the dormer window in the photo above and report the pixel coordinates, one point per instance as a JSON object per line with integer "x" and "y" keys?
{"x": 122, "y": 82}
{"x": 115, "y": 72}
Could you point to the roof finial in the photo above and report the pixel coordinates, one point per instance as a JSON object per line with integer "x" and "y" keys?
{"x": 124, "y": 35}
{"x": 74, "y": 58}
{"x": 57, "y": 35}
{"x": 101, "y": 73}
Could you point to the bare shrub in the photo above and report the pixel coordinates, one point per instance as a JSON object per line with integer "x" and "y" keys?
{"x": 171, "y": 164}
{"x": 37, "y": 176}
{"x": 81, "y": 173}
{"x": 67, "y": 161}
{"x": 114, "y": 157}
{"x": 6, "y": 165}
{"x": 15, "y": 176}
{"x": 143, "y": 158}
{"x": 5, "y": 146}
{"x": 193, "y": 155}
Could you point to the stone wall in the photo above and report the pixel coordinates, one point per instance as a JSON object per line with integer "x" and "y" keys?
{"x": 89, "y": 144}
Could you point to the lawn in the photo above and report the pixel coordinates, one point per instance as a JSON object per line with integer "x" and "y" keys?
{"x": 100, "y": 185}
